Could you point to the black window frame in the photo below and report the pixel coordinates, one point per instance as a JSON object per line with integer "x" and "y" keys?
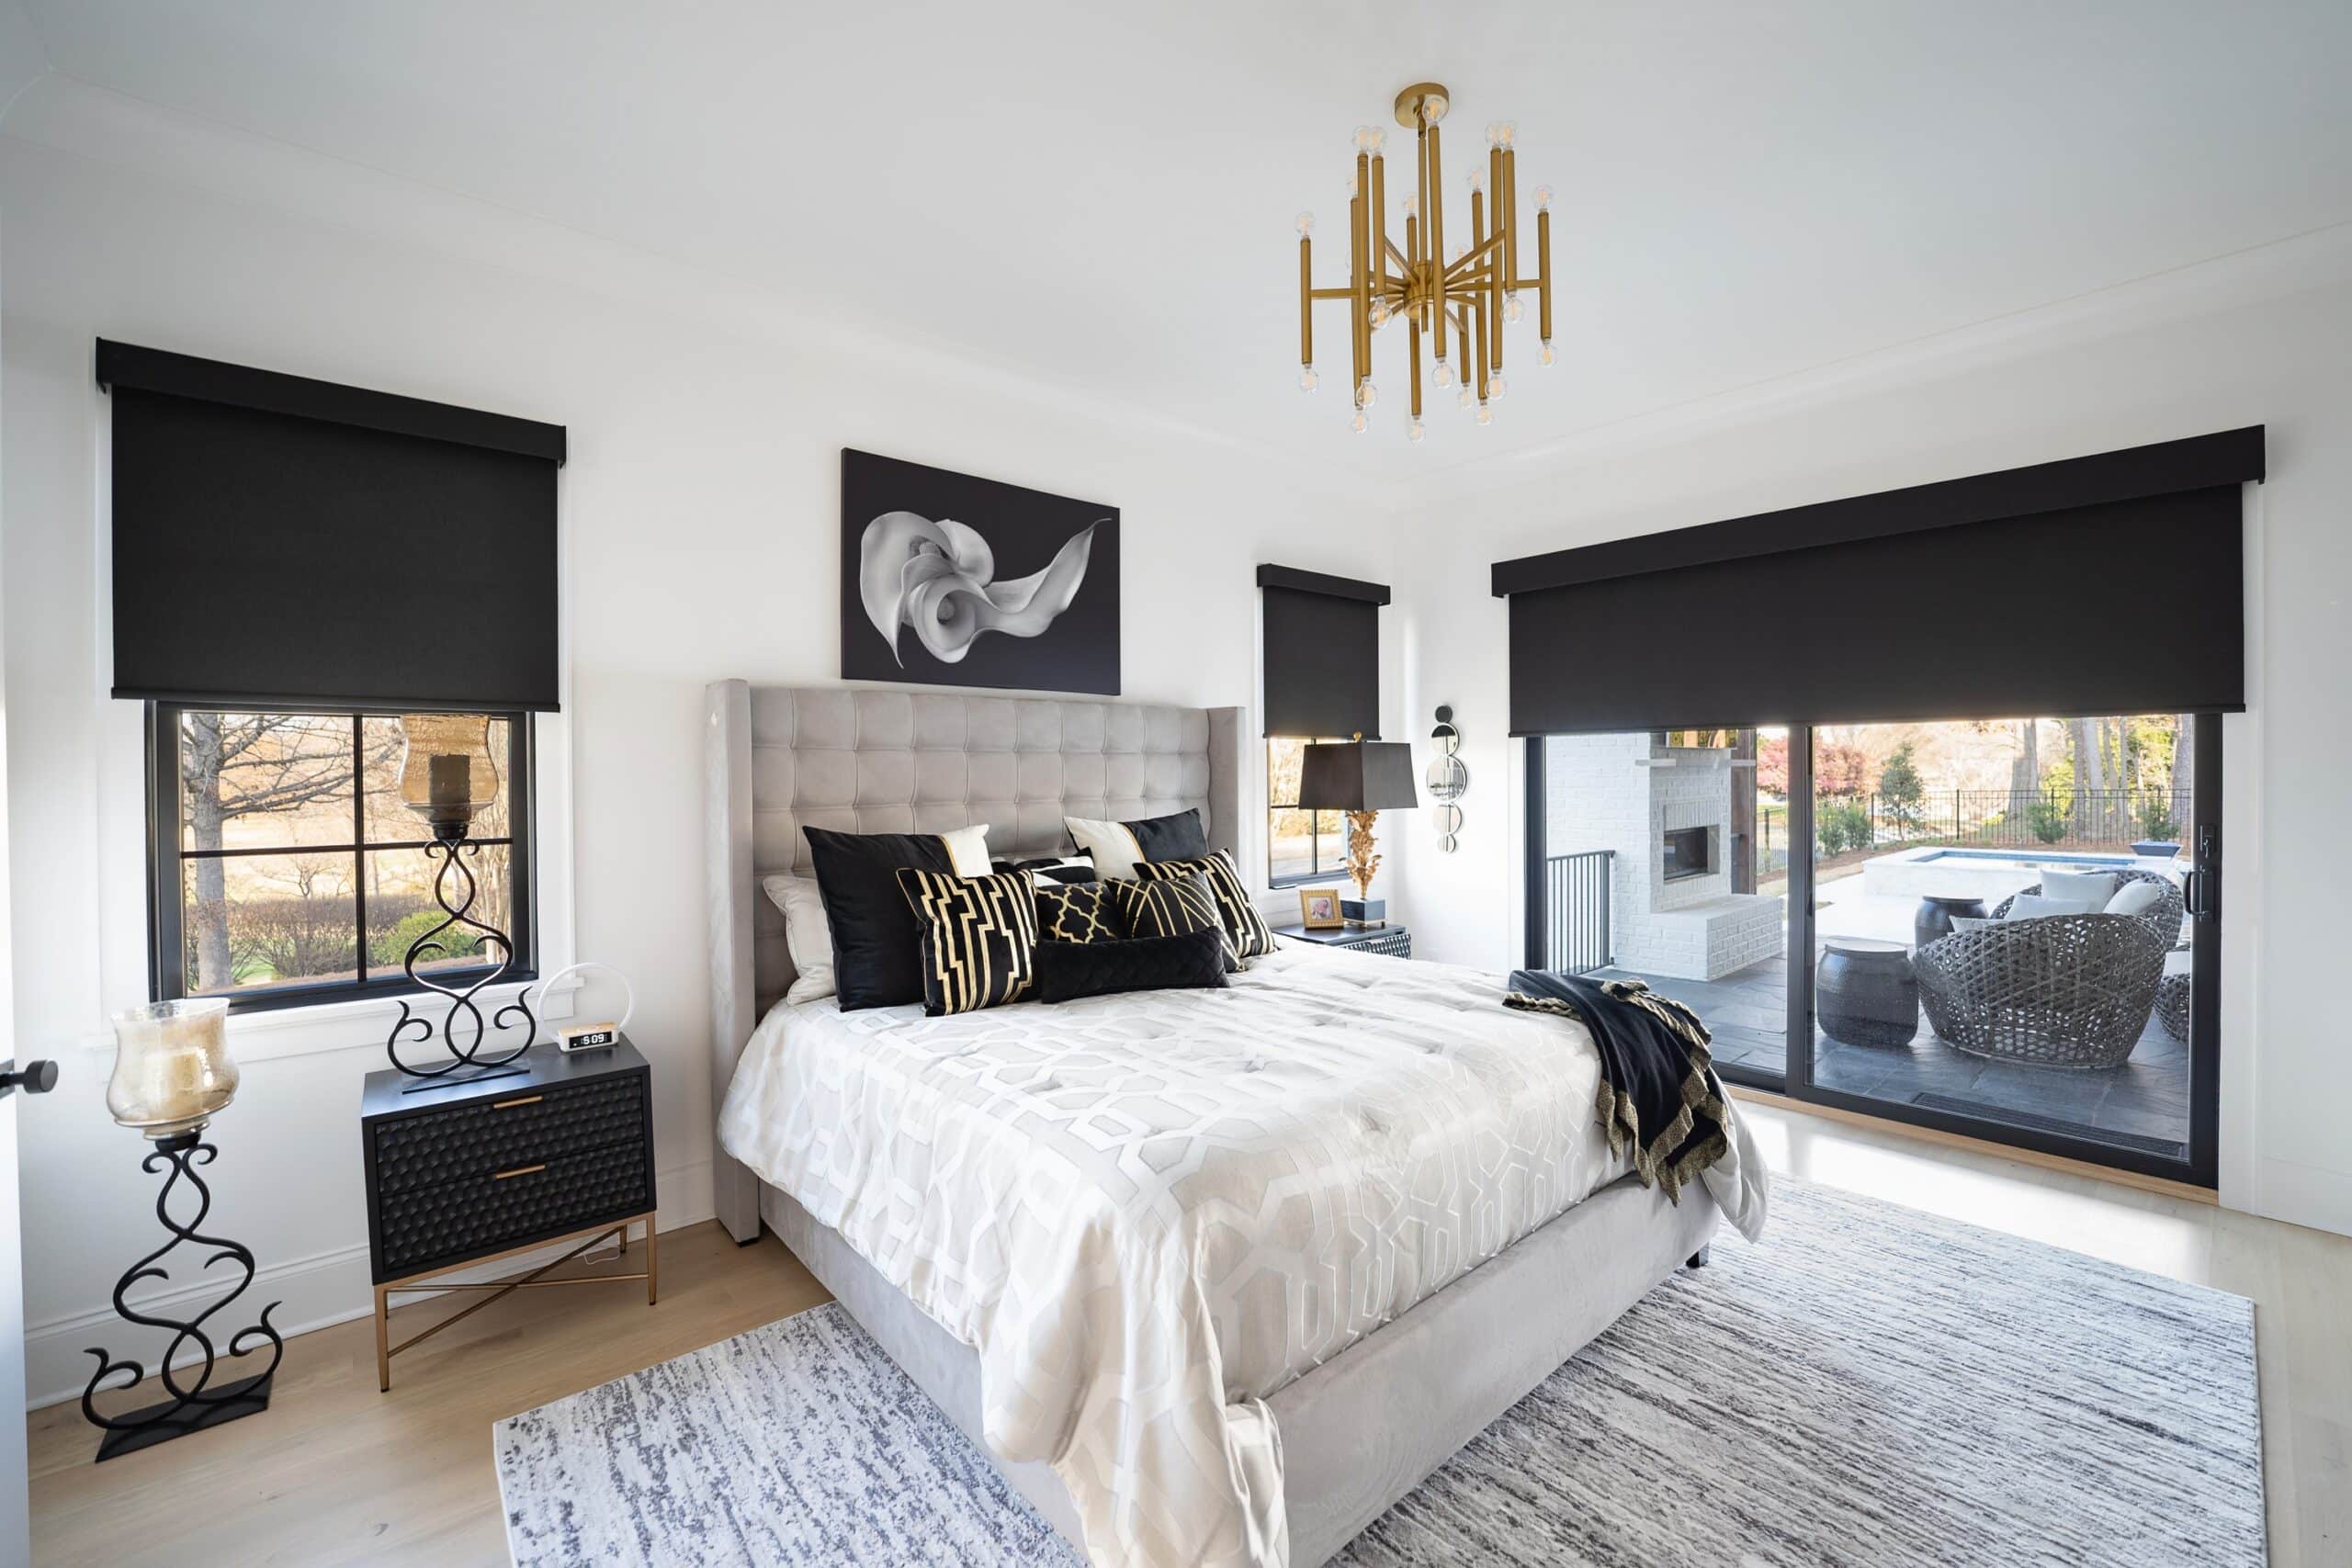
{"x": 168, "y": 857}
{"x": 1318, "y": 871}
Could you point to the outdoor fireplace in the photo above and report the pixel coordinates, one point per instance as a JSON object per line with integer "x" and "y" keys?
{"x": 1689, "y": 851}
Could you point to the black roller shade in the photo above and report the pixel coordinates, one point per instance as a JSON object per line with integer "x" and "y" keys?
{"x": 1322, "y": 652}
{"x": 291, "y": 542}
{"x": 2103, "y": 585}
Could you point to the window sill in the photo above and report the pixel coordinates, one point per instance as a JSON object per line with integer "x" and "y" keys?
{"x": 364, "y": 1024}
{"x": 1312, "y": 879}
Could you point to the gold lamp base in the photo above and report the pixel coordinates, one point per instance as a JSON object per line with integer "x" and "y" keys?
{"x": 1431, "y": 96}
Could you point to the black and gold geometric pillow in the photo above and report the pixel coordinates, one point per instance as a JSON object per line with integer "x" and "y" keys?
{"x": 1170, "y": 905}
{"x": 1079, "y": 912}
{"x": 1246, "y": 931}
{"x": 980, "y": 935}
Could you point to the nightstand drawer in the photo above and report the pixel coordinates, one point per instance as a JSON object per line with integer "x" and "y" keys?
{"x": 490, "y": 1211}
{"x": 527, "y": 1127}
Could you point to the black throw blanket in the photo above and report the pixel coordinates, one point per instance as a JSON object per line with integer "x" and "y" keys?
{"x": 1659, "y": 1090}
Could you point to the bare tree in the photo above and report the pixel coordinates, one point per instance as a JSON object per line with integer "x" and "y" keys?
{"x": 2083, "y": 739}
{"x": 2025, "y": 768}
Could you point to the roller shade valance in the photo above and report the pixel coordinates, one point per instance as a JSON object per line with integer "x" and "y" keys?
{"x": 1321, "y": 647}
{"x": 285, "y": 542}
{"x": 2102, "y": 585}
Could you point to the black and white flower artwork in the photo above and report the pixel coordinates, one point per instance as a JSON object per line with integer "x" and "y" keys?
{"x": 947, "y": 580}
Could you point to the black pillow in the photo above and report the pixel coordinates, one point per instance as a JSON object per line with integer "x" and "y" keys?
{"x": 977, "y": 935}
{"x": 878, "y": 942}
{"x": 1170, "y": 838}
{"x": 1170, "y": 905}
{"x": 1064, "y": 971}
{"x": 1083, "y": 912}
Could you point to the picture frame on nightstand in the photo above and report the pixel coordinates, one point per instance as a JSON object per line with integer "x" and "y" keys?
{"x": 1319, "y": 909}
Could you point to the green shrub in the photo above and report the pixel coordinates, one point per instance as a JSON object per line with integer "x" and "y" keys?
{"x": 2049, "y": 816}
{"x": 1839, "y": 826}
{"x": 2156, "y": 816}
{"x": 391, "y": 946}
{"x": 1901, "y": 790}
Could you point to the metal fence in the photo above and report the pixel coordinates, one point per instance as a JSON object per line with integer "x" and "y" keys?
{"x": 1576, "y": 911}
{"x": 2000, "y": 818}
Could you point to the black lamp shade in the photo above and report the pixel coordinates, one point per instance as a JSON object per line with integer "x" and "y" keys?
{"x": 1357, "y": 775}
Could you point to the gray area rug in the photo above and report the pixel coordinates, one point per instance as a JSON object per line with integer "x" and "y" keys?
{"x": 1869, "y": 1386}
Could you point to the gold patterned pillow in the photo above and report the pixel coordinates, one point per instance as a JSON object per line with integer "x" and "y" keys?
{"x": 979, "y": 937}
{"x": 1246, "y": 931}
{"x": 1078, "y": 911}
{"x": 1170, "y": 905}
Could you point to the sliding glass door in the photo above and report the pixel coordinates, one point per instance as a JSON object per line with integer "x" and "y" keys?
{"x": 2005, "y": 928}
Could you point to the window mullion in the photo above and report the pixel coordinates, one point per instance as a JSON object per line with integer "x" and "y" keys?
{"x": 358, "y": 849}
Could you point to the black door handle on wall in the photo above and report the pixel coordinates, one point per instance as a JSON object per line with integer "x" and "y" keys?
{"x": 35, "y": 1077}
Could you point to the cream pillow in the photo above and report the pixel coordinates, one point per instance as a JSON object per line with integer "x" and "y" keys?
{"x": 807, "y": 934}
{"x": 2094, "y": 888}
{"x": 968, "y": 850}
{"x": 2135, "y": 898}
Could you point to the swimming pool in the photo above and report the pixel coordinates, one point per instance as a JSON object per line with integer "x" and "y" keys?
{"x": 2018, "y": 857}
{"x": 1989, "y": 874}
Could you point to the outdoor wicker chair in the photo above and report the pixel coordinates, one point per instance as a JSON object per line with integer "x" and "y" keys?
{"x": 2058, "y": 991}
{"x": 2165, "y": 919}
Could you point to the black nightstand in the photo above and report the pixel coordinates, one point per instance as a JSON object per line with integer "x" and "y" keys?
{"x": 1389, "y": 942}
{"x": 468, "y": 1173}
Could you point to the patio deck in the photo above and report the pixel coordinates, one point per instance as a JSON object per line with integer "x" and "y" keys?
{"x": 2142, "y": 1104}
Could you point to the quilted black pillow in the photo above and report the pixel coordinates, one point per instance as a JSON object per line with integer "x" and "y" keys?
{"x": 1079, "y": 912}
{"x": 979, "y": 933}
{"x": 1068, "y": 970}
{"x": 1245, "y": 931}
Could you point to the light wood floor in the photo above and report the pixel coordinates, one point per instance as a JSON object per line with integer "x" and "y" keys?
{"x": 335, "y": 1473}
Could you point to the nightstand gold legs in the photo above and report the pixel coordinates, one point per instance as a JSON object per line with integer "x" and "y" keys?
{"x": 386, "y": 1350}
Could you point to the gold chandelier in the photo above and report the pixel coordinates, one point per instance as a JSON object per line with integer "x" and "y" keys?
{"x": 1462, "y": 302}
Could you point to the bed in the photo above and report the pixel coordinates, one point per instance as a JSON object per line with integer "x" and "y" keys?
{"x": 1211, "y": 1276}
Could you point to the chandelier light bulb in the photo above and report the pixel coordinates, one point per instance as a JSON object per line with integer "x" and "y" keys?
{"x": 1349, "y": 185}
{"x": 1369, "y": 139}
{"x": 1477, "y": 181}
{"x": 1443, "y": 374}
{"x": 1495, "y": 388}
{"x": 1512, "y": 310}
{"x": 1433, "y": 109}
{"x": 1366, "y": 394}
{"x": 1412, "y": 204}
{"x": 1360, "y": 421}
{"x": 1414, "y": 431}
{"x": 1377, "y": 313}
{"x": 1306, "y": 378}
{"x": 1542, "y": 199}
{"x": 1502, "y": 133}
{"x": 1543, "y": 353}
{"x": 1467, "y": 398}
{"x": 1485, "y": 414}
{"x": 1306, "y": 224}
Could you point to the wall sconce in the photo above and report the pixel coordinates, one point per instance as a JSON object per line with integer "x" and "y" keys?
{"x": 1448, "y": 779}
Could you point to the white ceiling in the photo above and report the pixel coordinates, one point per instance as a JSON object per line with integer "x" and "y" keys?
{"x": 1102, "y": 194}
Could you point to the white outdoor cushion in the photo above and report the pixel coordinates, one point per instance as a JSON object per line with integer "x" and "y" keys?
{"x": 2135, "y": 898}
{"x": 1972, "y": 922}
{"x": 2035, "y": 906}
{"x": 2094, "y": 888}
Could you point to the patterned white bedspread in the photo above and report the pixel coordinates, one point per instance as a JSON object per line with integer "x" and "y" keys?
{"x": 1146, "y": 1213}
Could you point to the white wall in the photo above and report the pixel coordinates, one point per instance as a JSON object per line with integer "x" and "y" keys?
{"x": 2286, "y": 1150}
{"x": 699, "y": 514}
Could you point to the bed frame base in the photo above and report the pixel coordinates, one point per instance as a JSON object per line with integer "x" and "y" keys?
{"x": 1364, "y": 1428}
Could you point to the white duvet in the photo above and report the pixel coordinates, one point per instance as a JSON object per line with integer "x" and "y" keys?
{"x": 1146, "y": 1213}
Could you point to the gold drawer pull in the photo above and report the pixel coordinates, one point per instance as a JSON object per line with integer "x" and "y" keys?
{"x": 519, "y": 1170}
{"x": 511, "y": 1104}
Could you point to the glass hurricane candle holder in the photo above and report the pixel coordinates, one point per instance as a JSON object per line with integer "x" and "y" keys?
{"x": 171, "y": 1070}
{"x": 448, "y": 775}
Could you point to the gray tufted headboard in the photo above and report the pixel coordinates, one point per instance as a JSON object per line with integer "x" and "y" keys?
{"x": 873, "y": 760}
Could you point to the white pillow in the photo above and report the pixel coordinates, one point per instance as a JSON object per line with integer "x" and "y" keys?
{"x": 968, "y": 850}
{"x": 2094, "y": 888}
{"x": 2031, "y": 906}
{"x": 1112, "y": 846}
{"x": 807, "y": 932}
{"x": 2135, "y": 898}
{"x": 1972, "y": 922}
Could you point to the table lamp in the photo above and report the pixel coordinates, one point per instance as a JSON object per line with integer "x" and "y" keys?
{"x": 1362, "y": 778}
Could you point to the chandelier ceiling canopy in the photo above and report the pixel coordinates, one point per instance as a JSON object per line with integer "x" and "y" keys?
{"x": 1458, "y": 303}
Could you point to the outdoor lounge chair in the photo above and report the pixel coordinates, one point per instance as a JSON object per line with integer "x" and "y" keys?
{"x": 2058, "y": 991}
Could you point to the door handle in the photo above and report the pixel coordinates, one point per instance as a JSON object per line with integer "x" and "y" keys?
{"x": 34, "y": 1078}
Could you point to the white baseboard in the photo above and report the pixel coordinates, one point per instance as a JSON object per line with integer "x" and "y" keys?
{"x": 317, "y": 1291}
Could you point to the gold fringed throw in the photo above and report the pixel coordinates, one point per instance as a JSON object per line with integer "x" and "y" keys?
{"x": 1659, "y": 1095}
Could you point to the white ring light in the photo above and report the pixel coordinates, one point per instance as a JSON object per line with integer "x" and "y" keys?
{"x": 629, "y": 992}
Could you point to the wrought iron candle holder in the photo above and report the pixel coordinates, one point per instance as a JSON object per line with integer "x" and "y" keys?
{"x": 171, "y": 1075}
{"x": 448, "y": 775}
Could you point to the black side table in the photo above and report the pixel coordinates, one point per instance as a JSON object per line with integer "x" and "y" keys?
{"x": 1390, "y": 941}
{"x": 470, "y": 1173}
{"x": 1865, "y": 992}
{"x": 1933, "y": 921}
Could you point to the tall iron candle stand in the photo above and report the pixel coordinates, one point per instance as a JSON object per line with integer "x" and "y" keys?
{"x": 172, "y": 1075}
{"x": 449, "y": 776}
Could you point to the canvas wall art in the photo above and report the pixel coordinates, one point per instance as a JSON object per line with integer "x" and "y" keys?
{"x": 948, "y": 580}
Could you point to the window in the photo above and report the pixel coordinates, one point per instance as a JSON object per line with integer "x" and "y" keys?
{"x": 1301, "y": 846}
{"x": 286, "y": 869}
